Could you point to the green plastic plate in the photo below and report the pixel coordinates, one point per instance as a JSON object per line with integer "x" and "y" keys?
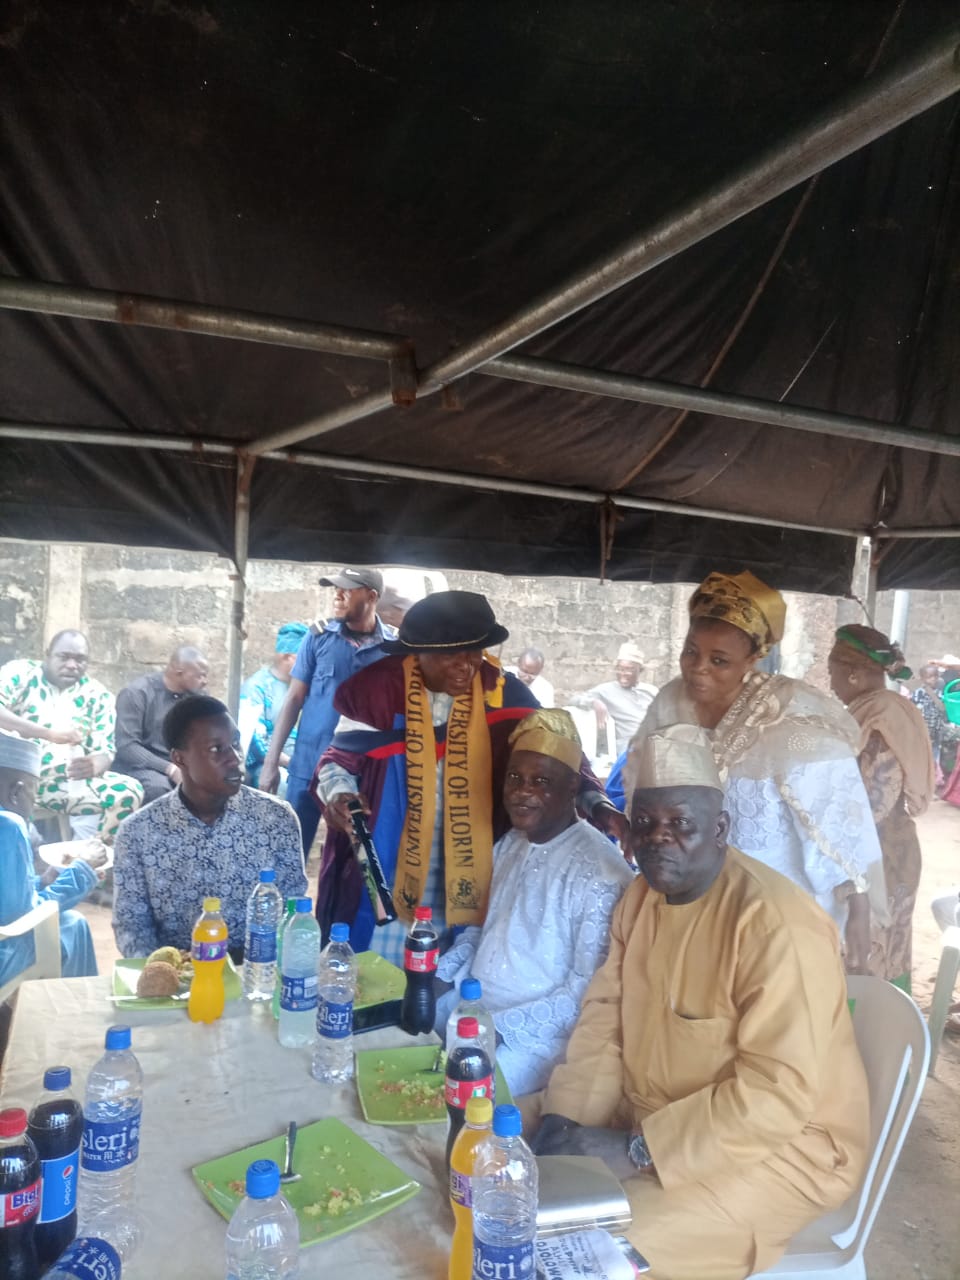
{"x": 344, "y": 1181}
{"x": 377, "y": 980}
{"x": 126, "y": 975}
{"x": 396, "y": 1086}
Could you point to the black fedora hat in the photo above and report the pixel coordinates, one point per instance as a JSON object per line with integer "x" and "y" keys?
{"x": 447, "y": 621}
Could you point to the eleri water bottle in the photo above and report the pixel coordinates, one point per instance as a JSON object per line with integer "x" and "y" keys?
{"x": 298, "y": 991}
{"x": 264, "y": 910}
{"x": 471, "y": 1006}
{"x": 263, "y": 1238}
{"x": 111, "y": 1128}
{"x": 505, "y": 1192}
{"x": 289, "y": 911}
{"x": 337, "y": 986}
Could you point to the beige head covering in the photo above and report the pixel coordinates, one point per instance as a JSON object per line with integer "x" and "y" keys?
{"x": 745, "y": 602}
{"x": 679, "y": 755}
{"x": 551, "y": 732}
{"x": 630, "y": 653}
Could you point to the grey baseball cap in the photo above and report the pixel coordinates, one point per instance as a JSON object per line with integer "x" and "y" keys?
{"x": 351, "y": 578}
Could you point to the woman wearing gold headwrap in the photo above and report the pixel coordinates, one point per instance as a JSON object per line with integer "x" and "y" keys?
{"x": 786, "y": 752}
{"x": 897, "y": 766}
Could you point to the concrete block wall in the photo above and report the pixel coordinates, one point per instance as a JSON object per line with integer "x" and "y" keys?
{"x": 137, "y": 604}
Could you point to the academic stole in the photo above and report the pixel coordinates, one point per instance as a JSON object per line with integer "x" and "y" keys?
{"x": 467, "y": 808}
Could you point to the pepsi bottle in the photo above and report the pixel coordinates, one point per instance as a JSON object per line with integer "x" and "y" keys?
{"x": 56, "y": 1129}
{"x": 421, "y": 952}
{"x": 469, "y": 1075}
{"x": 19, "y": 1198}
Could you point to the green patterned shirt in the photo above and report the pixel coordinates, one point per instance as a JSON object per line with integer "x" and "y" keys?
{"x": 87, "y": 705}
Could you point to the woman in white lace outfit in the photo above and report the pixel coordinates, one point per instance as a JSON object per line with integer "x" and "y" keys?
{"x": 786, "y": 753}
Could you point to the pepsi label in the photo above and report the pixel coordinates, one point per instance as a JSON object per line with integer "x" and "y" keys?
{"x": 298, "y": 995}
{"x": 109, "y": 1145}
{"x": 335, "y": 1021}
{"x": 18, "y": 1207}
{"x": 262, "y": 947}
{"x": 58, "y": 1196}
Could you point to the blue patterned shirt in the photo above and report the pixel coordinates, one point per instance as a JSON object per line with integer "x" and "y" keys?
{"x": 167, "y": 861}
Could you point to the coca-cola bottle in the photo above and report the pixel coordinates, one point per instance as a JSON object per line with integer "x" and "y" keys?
{"x": 420, "y": 954}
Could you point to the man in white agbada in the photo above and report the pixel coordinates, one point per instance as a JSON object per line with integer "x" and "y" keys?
{"x": 556, "y": 881}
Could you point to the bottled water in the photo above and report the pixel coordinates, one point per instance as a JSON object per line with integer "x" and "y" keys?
{"x": 264, "y": 909}
{"x": 504, "y": 1192}
{"x": 471, "y": 1006}
{"x": 337, "y": 986}
{"x": 104, "y": 1244}
{"x": 111, "y": 1128}
{"x": 289, "y": 911}
{"x": 263, "y": 1238}
{"x": 298, "y": 989}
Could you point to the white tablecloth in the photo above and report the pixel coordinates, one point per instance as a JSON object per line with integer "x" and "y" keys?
{"x": 209, "y": 1090}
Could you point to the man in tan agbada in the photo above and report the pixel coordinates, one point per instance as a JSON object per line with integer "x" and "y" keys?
{"x": 714, "y": 1066}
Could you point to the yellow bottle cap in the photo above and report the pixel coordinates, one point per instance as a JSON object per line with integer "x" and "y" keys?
{"x": 479, "y": 1112}
{"x": 211, "y": 904}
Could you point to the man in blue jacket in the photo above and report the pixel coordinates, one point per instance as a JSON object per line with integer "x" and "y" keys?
{"x": 329, "y": 653}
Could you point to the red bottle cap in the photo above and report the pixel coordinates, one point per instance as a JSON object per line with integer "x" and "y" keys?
{"x": 423, "y": 913}
{"x": 468, "y": 1028}
{"x": 13, "y": 1121}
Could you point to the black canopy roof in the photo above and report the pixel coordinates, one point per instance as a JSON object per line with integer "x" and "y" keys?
{"x": 425, "y": 168}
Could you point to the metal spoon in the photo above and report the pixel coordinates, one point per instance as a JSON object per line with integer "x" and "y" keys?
{"x": 291, "y": 1141}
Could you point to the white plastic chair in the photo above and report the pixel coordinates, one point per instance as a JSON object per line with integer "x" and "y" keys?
{"x": 895, "y": 1048}
{"x": 44, "y": 923}
{"x": 599, "y": 748}
{"x": 943, "y": 990}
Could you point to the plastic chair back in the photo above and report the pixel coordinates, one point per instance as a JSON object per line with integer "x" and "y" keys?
{"x": 44, "y": 923}
{"x": 895, "y": 1048}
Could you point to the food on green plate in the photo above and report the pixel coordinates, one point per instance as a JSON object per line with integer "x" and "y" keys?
{"x": 158, "y": 979}
{"x": 337, "y": 1201}
{"x": 416, "y": 1096}
{"x": 166, "y": 955}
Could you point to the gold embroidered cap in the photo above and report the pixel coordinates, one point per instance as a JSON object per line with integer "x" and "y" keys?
{"x": 551, "y": 732}
{"x": 678, "y": 755}
{"x": 745, "y": 602}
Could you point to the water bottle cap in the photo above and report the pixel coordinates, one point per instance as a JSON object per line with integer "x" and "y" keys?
{"x": 507, "y": 1122}
{"x": 467, "y": 1028}
{"x": 423, "y": 913}
{"x": 117, "y": 1038}
{"x": 340, "y": 933}
{"x": 13, "y": 1122}
{"x": 57, "y": 1078}
{"x": 470, "y": 989}
{"x": 263, "y": 1179}
{"x": 304, "y": 905}
{"x": 268, "y": 875}
{"x": 479, "y": 1112}
{"x": 211, "y": 904}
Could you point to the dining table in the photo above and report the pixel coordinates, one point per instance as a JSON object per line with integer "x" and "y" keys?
{"x": 212, "y": 1089}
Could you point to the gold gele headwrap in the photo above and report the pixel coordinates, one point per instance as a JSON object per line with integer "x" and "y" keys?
{"x": 551, "y": 732}
{"x": 745, "y": 602}
{"x": 859, "y": 646}
{"x": 678, "y": 755}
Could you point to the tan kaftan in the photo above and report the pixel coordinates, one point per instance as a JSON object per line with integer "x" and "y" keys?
{"x": 722, "y": 1028}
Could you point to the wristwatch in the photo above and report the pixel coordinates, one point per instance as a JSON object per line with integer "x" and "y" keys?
{"x": 638, "y": 1152}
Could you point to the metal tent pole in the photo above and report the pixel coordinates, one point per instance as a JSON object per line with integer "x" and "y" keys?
{"x": 874, "y": 107}
{"x": 241, "y": 545}
{"x": 570, "y": 377}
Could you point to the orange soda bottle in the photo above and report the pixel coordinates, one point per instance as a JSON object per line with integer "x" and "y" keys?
{"x": 476, "y": 1129}
{"x": 208, "y": 950}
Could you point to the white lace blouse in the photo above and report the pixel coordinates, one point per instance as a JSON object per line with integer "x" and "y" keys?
{"x": 546, "y": 934}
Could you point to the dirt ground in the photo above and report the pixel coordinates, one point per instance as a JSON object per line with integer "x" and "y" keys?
{"x": 917, "y": 1235}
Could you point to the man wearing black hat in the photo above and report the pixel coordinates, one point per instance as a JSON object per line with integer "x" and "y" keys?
{"x": 329, "y": 653}
{"x": 423, "y": 741}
